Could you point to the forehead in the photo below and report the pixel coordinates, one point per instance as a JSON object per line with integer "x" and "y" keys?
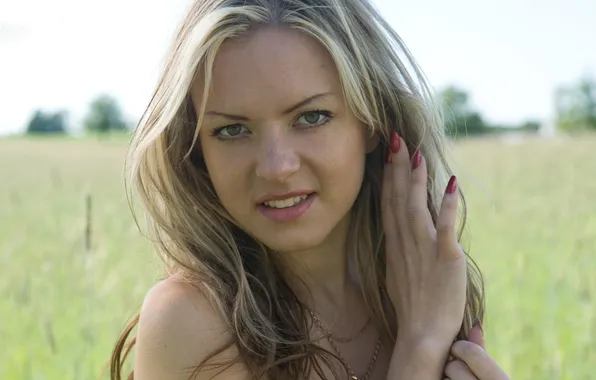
{"x": 273, "y": 66}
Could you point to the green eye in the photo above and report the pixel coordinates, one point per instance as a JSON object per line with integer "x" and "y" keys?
{"x": 230, "y": 131}
{"x": 311, "y": 117}
{"x": 314, "y": 118}
{"x": 233, "y": 130}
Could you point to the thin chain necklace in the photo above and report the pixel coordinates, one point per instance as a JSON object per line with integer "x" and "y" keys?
{"x": 331, "y": 340}
{"x": 336, "y": 338}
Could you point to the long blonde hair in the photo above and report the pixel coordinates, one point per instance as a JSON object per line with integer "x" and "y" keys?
{"x": 201, "y": 243}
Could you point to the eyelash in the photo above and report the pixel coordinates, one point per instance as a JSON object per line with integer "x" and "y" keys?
{"x": 326, "y": 114}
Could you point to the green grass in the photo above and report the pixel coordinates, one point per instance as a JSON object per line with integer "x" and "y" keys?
{"x": 532, "y": 228}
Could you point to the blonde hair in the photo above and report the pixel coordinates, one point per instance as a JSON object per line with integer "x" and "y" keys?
{"x": 197, "y": 238}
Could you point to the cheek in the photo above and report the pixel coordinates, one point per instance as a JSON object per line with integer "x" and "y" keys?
{"x": 224, "y": 168}
{"x": 341, "y": 149}
{"x": 340, "y": 159}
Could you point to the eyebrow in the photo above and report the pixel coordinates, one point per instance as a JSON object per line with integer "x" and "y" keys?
{"x": 285, "y": 112}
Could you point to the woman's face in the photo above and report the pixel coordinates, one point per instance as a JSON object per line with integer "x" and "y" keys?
{"x": 285, "y": 155}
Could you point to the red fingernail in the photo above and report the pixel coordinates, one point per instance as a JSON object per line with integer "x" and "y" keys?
{"x": 452, "y": 185}
{"x": 416, "y": 159}
{"x": 478, "y": 323}
{"x": 394, "y": 145}
{"x": 388, "y": 156}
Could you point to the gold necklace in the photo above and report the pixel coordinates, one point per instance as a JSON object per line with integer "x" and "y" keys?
{"x": 351, "y": 372}
{"x": 336, "y": 338}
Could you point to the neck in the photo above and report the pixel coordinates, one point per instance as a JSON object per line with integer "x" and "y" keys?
{"x": 320, "y": 275}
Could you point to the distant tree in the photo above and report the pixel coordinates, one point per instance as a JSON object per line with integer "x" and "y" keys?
{"x": 576, "y": 105}
{"x": 530, "y": 126}
{"x": 460, "y": 118}
{"x": 47, "y": 123}
{"x": 104, "y": 116}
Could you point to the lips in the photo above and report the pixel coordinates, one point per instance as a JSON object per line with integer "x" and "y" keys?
{"x": 283, "y": 197}
{"x": 289, "y": 211}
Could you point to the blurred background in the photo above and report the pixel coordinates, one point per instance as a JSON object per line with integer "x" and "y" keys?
{"x": 518, "y": 82}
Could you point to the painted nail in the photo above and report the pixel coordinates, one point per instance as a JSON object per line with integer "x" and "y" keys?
{"x": 452, "y": 185}
{"x": 416, "y": 159}
{"x": 394, "y": 145}
{"x": 476, "y": 322}
{"x": 388, "y": 156}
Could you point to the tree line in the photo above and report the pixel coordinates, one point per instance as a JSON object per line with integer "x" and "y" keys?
{"x": 104, "y": 116}
{"x": 575, "y": 110}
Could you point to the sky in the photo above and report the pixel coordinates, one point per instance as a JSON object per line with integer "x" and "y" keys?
{"x": 510, "y": 55}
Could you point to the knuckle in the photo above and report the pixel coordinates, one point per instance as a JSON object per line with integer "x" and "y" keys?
{"x": 414, "y": 211}
{"x": 467, "y": 350}
{"x": 444, "y": 227}
{"x": 398, "y": 200}
{"x": 417, "y": 218}
{"x": 475, "y": 351}
{"x": 454, "y": 254}
{"x": 446, "y": 239}
{"x": 458, "y": 347}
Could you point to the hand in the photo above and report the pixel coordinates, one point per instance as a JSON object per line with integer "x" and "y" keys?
{"x": 426, "y": 267}
{"x": 471, "y": 361}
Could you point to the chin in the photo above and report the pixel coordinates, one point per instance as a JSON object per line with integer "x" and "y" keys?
{"x": 293, "y": 239}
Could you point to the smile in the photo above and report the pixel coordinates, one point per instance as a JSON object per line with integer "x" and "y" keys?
{"x": 288, "y": 209}
{"x": 285, "y": 203}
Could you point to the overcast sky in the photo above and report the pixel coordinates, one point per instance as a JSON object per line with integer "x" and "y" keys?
{"x": 509, "y": 54}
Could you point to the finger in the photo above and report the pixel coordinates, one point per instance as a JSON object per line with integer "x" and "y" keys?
{"x": 478, "y": 360}
{"x": 446, "y": 229}
{"x": 417, "y": 211}
{"x": 458, "y": 370}
{"x": 401, "y": 179}
{"x": 476, "y": 335}
{"x": 387, "y": 212}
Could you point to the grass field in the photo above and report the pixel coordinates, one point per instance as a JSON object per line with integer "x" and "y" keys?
{"x": 532, "y": 228}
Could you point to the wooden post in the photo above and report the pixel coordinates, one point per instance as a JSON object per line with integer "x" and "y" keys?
{"x": 88, "y": 332}
{"x": 88, "y": 225}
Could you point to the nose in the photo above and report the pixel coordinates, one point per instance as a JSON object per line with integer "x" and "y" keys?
{"x": 278, "y": 159}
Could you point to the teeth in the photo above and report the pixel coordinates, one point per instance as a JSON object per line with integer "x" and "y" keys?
{"x": 284, "y": 203}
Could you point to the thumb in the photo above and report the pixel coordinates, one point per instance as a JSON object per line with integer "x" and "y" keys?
{"x": 476, "y": 335}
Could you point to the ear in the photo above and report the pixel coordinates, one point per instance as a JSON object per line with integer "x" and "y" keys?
{"x": 372, "y": 141}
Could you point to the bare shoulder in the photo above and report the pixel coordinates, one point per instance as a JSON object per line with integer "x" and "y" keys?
{"x": 179, "y": 328}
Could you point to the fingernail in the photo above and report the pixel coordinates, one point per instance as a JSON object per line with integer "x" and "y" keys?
{"x": 416, "y": 159}
{"x": 388, "y": 156}
{"x": 452, "y": 185}
{"x": 477, "y": 322}
{"x": 394, "y": 145}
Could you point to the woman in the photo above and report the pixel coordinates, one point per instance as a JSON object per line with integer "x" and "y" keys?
{"x": 294, "y": 175}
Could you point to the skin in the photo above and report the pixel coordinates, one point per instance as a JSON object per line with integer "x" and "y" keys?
{"x": 272, "y": 151}
{"x": 276, "y": 152}
{"x": 471, "y": 361}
